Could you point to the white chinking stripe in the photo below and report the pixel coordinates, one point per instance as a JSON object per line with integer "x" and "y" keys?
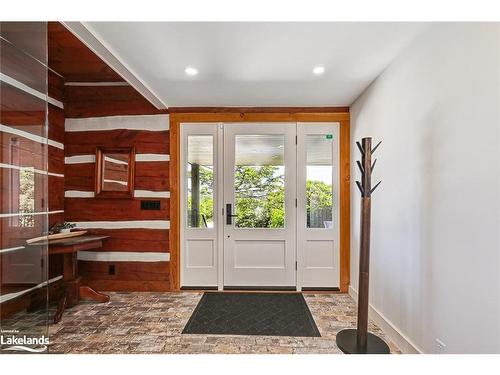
{"x": 10, "y": 296}
{"x": 137, "y": 194}
{"x": 39, "y": 171}
{"x": 116, "y": 161}
{"x": 148, "y": 122}
{"x": 152, "y": 157}
{"x": 30, "y": 213}
{"x": 10, "y": 249}
{"x": 21, "y": 86}
{"x": 141, "y": 224}
{"x": 116, "y": 182}
{"x": 55, "y": 174}
{"x": 78, "y": 194}
{"x": 125, "y": 256}
{"x": 151, "y": 194}
{"x": 82, "y": 159}
{"x": 79, "y": 159}
{"x": 33, "y": 137}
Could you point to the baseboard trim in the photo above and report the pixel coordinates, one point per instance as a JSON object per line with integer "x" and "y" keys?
{"x": 393, "y": 333}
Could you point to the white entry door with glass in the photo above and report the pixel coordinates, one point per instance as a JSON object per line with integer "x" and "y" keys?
{"x": 259, "y": 206}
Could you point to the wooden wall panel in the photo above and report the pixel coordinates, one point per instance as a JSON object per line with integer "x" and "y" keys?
{"x": 56, "y": 218}
{"x": 73, "y": 60}
{"x": 56, "y": 123}
{"x": 55, "y": 86}
{"x": 152, "y": 175}
{"x": 127, "y": 285}
{"x": 99, "y": 209}
{"x": 136, "y": 276}
{"x": 55, "y": 158}
{"x": 134, "y": 240}
{"x": 126, "y": 271}
{"x": 79, "y": 177}
{"x": 92, "y": 101}
{"x": 82, "y": 143}
{"x": 149, "y": 175}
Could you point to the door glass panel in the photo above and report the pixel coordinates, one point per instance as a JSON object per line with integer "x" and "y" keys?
{"x": 319, "y": 189}
{"x": 200, "y": 182}
{"x": 259, "y": 181}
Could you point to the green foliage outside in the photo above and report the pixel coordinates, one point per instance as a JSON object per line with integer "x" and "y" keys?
{"x": 260, "y": 197}
{"x": 26, "y": 196}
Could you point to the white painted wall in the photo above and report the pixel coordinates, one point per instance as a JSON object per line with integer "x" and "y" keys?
{"x": 435, "y": 261}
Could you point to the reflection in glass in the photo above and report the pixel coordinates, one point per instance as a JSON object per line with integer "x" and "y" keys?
{"x": 259, "y": 181}
{"x": 319, "y": 189}
{"x": 27, "y": 197}
{"x": 200, "y": 182}
{"x": 24, "y": 181}
{"x": 115, "y": 172}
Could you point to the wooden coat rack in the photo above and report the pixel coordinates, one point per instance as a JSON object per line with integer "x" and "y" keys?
{"x": 360, "y": 341}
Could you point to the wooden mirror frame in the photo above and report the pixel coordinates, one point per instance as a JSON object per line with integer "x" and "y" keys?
{"x": 99, "y": 169}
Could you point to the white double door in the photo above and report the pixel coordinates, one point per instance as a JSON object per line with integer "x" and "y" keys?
{"x": 259, "y": 205}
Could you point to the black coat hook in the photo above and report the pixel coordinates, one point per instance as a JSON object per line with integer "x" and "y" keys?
{"x": 373, "y": 149}
{"x": 373, "y": 165}
{"x": 360, "y": 188}
{"x": 360, "y": 148}
{"x": 361, "y": 169}
{"x": 375, "y": 187}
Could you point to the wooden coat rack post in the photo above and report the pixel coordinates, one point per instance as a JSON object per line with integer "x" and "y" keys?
{"x": 360, "y": 341}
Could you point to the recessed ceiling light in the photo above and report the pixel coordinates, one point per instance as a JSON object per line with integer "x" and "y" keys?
{"x": 318, "y": 70}
{"x": 190, "y": 71}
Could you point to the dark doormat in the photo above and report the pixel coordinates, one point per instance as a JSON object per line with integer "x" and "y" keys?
{"x": 266, "y": 314}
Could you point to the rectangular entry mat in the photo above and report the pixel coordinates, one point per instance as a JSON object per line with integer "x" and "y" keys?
{"x": 265, "y": 314}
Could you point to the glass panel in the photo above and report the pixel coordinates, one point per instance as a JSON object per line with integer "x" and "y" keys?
{"x": 319, "y": 189}
{"x": 24, "y": 197}
{"x": 259, "y": 181}
{"x": 200, "y": 182}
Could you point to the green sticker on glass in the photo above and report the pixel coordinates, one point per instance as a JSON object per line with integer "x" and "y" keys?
{"x": 329, "y": 136}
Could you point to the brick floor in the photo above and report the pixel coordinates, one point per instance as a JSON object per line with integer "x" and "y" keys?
{"x": 153, "y": 322}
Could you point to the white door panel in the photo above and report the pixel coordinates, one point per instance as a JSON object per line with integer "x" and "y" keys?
{"x": 259, "y": 247}
{"x": 199, "y": 189}
{"x": 282, "y": 182}
{"x": 317, "y": 205}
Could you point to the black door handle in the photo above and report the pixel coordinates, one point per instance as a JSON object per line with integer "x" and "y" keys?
{"x": 229, "y": 214}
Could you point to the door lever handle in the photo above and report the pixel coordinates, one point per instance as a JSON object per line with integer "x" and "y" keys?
{"x": 229, "y": 214}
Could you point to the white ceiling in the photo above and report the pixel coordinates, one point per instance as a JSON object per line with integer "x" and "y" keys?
{"x": 255, "y": 64}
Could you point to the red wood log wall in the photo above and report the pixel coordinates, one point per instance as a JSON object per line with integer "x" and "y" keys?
{"x": 149, "y": 175}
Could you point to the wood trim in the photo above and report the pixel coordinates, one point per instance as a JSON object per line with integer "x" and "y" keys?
{"x": 341, "y": 115}
{"x": 221, "y": 110}
{"x": 99, "y": 172}
{"x": 174, "y": 175}
{"x": 345, "y": 206}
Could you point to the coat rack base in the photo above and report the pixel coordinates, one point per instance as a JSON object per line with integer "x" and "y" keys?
{"x": 347, "y": 342}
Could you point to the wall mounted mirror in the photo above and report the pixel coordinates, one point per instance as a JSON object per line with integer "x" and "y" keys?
{"x": 114, "y": 176}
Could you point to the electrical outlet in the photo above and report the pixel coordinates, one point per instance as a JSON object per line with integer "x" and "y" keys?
{"x": 440, "y": 347}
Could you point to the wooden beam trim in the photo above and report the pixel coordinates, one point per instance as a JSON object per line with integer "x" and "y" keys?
{"x": 290, "y": 110}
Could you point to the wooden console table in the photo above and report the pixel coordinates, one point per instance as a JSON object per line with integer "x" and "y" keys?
{"x": 73, "y": 289}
